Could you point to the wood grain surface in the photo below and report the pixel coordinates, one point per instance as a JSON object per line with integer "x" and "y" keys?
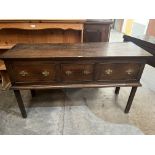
{"x": 99, "y": 50}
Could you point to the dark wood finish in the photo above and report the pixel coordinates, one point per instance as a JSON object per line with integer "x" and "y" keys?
{"x": 83, "y": 65}
{"x": 81, "y": 51}
{"x": 33, "y": 93}
{"x": 96, "y": 32}
{"x": 77, "y": 72}
{"x": 39, "y": 86}
{"x": 145, "y": 42}
{"x": 20, "y": 103}
{"x": 119, "y": 71}
{"x": 48, "y": 31}
{"x": 131, "y": 97}
{"x": 30, "y": 72}
{"x": 117, "y": 90}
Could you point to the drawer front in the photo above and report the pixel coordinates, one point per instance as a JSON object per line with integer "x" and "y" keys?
{"x": 76, "y": 72}
{"x": 119, "y": 71}
{"x": 34, "y": 72}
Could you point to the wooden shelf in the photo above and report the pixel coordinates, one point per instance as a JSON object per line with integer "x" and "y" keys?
{"x": 7, "y": 46}
{"x": 39, "y": 26}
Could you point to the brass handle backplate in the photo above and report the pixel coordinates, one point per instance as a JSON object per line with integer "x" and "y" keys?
{"x": 68, "y": 73}
{"x": 108, "y": 71}
{"x": 45, "y": 73}
{"x": 129, "y": 71}
{"x": 86, "y": 72}
{"x": 23, "y": 73}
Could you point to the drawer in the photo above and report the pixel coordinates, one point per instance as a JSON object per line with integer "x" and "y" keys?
{"x": 34, "y": 72}
{"x": 76, "y": 72}
{"x": 118, "y": 71}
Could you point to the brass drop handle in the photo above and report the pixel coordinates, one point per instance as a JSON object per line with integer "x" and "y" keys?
{"x": 108, "y": 71}
{"x": 68, "y": 73}
{"x": 23, "y": 73}
{"x": 86, "y": 72}
{"x": 45, "y": 73}
{"x": 129, "y": 71}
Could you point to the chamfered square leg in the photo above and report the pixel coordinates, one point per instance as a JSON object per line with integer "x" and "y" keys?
{"x": 117, "y": 90}
{"x": 130, "y": 99}
{"x": 20, "y": 103}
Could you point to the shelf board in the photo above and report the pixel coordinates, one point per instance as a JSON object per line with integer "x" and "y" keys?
{"x": 6, "y": 46}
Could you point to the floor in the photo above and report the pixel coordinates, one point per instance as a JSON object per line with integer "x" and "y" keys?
{"x": 82, "y": 111}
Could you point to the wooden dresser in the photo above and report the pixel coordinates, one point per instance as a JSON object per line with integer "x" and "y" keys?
{"x": 50, "y": 31}
{"x": 53, "y": 31}
{"x": 81, "y": 65}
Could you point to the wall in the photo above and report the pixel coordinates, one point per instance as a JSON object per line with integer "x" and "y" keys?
{"x": 151, "y": 28}
{"x": 127, "y": 26}
{"x": 135, "y": 27}
{"x": 118, "y": 24}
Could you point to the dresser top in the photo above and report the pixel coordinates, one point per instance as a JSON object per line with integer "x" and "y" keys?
{"x": 86, "y": 50}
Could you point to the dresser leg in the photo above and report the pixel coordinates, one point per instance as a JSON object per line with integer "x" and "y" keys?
{"x": 129, "y": 103}
{"x": 117, "y": 90}
{"x": 33, "y": 92}
{"x": 20, "y": 103}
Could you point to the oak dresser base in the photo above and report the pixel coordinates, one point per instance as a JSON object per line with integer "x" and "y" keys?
{"x": 82, "y": 65}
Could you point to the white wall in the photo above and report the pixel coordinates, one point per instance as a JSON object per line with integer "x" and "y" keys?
{"x": 139, "y": 26}
{"x": 143, "y": 22}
